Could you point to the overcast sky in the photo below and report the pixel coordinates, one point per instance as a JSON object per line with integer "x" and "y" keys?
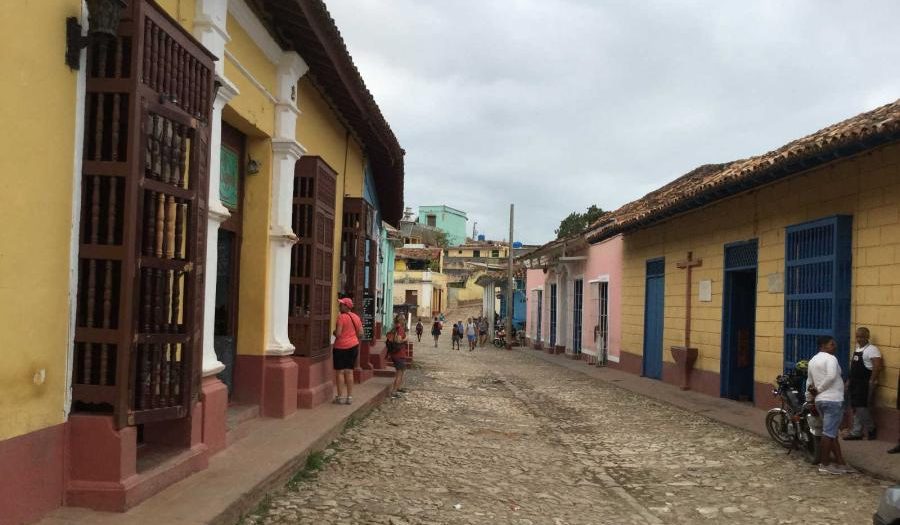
{"x": 558, "y": 104}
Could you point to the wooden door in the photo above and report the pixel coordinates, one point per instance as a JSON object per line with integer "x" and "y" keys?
{"x": 231, "y": 191}
{"x": 143, "y": 225}
{"x": 412, "y": 297}
{"x": 654, "y": 317}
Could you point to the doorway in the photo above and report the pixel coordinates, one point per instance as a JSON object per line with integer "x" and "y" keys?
{"x": 654, "y": 317}
{"x": 577, "y": 309}
{"x": 739, "y": 320}
{"x": 231, "y": 188}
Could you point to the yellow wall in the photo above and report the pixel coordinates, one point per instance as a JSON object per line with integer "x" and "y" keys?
{"x": 866, "y": 187}
{"x": 322, "y": 134}
{"x": 254, "y": 103}
{"x": 181, "y": 10}
{"x": 37, "y": 119}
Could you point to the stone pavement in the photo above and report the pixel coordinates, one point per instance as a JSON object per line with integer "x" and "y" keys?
{"x": 867, "y": 456}
{"x": 505, "y": 437}
{"x": 239, "y": 476}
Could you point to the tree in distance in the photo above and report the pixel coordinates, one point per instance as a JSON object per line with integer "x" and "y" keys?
{"x": 578, "y": 222}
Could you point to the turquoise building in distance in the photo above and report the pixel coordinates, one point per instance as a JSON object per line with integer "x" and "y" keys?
{"x": 450, "y": 220}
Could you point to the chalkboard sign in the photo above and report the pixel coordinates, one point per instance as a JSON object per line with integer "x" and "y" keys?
{"x": 368, "y": 316}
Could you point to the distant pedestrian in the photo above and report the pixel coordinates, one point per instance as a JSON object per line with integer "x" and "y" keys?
{"x": 471, "y": 330}
{"x": 419, "y": 329}
{"x": 456, "y": 335}
{"x": 436, "y": 331}
{"x": 346, "y": 349}
{"x": 865, "y": 366}
{"x": 825, "y": 384}
{"x": 396, "y": 341}
{"x": 482, "y": 331}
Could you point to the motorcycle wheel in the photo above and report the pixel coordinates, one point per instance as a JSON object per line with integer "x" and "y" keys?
{"x": 810, "y": 448}
{"x": 498, "y": 343}
{"x": 777, "y": 422}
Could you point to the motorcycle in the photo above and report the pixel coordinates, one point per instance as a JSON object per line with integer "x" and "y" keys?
{"x": 796, "y": 425}
{"x": 499, "y": 340}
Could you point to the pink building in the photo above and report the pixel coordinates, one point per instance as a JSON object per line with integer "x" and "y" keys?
{"x": 574, "y": 298}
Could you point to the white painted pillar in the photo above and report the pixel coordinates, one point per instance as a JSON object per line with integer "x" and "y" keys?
{"x": 209, "y": 29}
{"x": 286, "y": 151}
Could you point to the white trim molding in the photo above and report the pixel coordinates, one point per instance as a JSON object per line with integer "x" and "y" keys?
{"x": 78, "y": 154}
{"x": 248, "y": 21}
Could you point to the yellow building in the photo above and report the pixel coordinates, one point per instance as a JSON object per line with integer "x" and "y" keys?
{"x": 153, "y": 264}
{"x": 419, "y": 280}
{"x": 779, "y": 249}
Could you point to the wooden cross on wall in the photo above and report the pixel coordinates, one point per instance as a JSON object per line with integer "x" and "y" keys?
{"x": 688, "y": 264}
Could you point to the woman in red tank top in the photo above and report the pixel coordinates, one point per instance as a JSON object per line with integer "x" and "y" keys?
{"x": 346, "y": 348}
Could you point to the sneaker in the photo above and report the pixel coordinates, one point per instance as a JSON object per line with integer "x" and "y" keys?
{"x": 396, "y": 395}
{"x": 847, "y": 469}
{"x": 830, "y": 469}
{"x": 338, "y": 401}
{"x": 852, "y": 437}
{"x": 872, "y": 434}
{"x": 348, "y": 400}
{"x": 895, "y": 450}
{"x": 402, "y": 390}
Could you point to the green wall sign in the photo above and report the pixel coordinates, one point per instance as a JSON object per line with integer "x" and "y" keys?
{"x": 230, "y": 178}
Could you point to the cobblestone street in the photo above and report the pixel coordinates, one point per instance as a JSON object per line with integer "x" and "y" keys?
{"x": 502, "y": 437}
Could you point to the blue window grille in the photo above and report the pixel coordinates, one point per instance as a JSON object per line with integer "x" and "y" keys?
{"x": 538, "y": 323}
{"x": 552, "y": 315}
{"x": 741, "y": 255}
{"x": 577, "y": 308}
{"x": 817, "y": 287}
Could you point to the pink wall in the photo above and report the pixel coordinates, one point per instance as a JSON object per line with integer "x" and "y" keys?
{"x": 604, "y": 258}
{"x": 533, "y": 279}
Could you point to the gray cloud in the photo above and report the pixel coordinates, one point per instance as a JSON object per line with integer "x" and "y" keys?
{"x": 558, "y": 104}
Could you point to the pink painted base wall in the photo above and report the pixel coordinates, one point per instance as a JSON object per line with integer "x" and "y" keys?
{"x": 604, "y": 259}
{"x": 32, "y": 484}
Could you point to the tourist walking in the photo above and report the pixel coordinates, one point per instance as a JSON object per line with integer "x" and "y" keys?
{"x": 456, "y": 335}
{"x": 825, "y": 384}
{"x": 482, "y": 331}
{"x": 471, "y": 330}
{"x": 865, "y": 366}
{"x": 395, "y": 340}
{"x": 419, "y": 329}
{"x": 436, "y": 331}
{"x": 346, "y": 349}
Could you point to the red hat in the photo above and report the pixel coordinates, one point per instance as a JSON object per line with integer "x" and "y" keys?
{"x": 346, "y": 301}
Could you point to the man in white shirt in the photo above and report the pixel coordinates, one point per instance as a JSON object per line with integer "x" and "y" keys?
{"x": 865, "y": 367}
{"x": 825, "y": 383}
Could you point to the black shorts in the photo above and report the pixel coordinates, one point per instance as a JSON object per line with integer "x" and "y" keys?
{"x": 344, "y": 359}
{"x": 399, "y": 362}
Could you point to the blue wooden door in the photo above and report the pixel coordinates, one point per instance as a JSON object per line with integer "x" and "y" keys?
{"x": 654, "y": 315}
{"x": 552, "y": 315}
{"x": 817, "y": 288}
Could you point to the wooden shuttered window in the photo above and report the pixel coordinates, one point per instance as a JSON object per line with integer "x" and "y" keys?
{"x": 143, "y": 221}
{"x": 309, "y": 321}
{"x": 355, "y": 273}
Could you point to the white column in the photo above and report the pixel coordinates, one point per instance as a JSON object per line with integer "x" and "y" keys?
{"x": 286, "y": 151}
{"x": 209, "y": 29}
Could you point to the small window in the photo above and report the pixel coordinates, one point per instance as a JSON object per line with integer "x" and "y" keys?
{"x": 476, "y": 253}
{"x": 495, "y": 253}
{"x": 431, "y": 219}
{"x": 458, "y": 251}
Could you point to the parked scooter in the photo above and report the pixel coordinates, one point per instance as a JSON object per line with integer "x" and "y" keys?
{"x": 499, "y": 339}
{"x": 796, "y": 425}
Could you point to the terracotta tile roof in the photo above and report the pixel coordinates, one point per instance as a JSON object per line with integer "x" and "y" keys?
{"x": 712, "y": 182}
{"x": 418, "y": 254}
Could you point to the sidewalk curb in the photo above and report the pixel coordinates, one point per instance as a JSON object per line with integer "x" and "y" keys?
{"x": 873, "y": 464}
{"x": 279, "y": 477}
